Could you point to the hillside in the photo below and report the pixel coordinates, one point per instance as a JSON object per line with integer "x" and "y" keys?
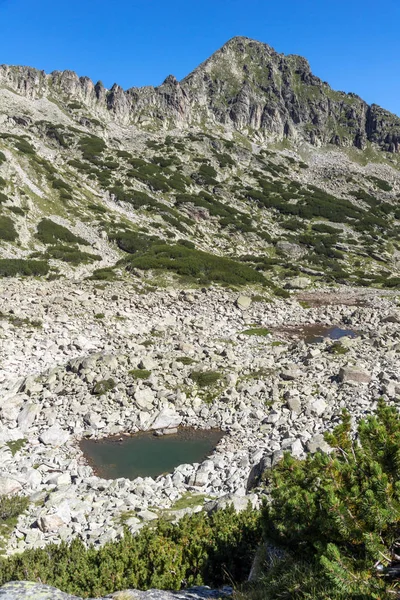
{"x": 250, "y": 157}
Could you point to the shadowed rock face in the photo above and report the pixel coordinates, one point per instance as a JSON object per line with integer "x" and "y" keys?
{"x": 246, "y": 86}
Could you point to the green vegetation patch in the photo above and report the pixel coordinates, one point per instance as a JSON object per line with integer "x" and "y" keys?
{"x": 104, "y": 386}
{"x": 12, "y": 267}
{"x": 337, "y": 516}
{"x": 70, "y": 254}
{"x": 140, "y": 373}
{"x": 201, "y": 549}
{"x": 190, "y": 263}
{"x": 16, "y": 445}
{"x": 8, "y": 232}
{"x": 259, "y": 331}
{"x": 186, "y": 360}
{"x": 50, "y": 232}
{"x": 205, "y": 378}
{"x": 10, "y": 509}
{"x": 105, "y": 274}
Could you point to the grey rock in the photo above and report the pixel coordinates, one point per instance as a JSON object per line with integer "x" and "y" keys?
{"x": 54, "y": 436}
{"x": 243, "y": 302}
{"x": 9, "y": 486}
{"x": 354, "y": 375}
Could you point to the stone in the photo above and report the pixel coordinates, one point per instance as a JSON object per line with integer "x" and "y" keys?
{"x": 317, "y": 442}
{"x": 27, "y": 416}
{"x": 49, "y": 523}
{"x": 298, "y": 283}
{"x": 54, "y": 436}
{"x": 167, "y": 418}
{"x": 294, "y": 404}
{"x": 353, "y": 375}
{"x": 147, "y": 363}
{"x": 318, "y": 407}
{"x": 9, "y": 486}
{"x": 145, "y": 400}
{"x": 239, "y": 503}
{"x": 243, "y": 302}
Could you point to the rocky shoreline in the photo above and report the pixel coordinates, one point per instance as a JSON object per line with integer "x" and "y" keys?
{"x": 275, "y": 392}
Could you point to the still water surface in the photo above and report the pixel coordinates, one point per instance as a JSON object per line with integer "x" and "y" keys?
{"x": 147, "y": 455}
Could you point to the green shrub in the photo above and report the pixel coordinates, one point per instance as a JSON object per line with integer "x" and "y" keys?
{"x": 91, "y": 148}
{"x": 70, "y": 254}
{"x": 340, "y": 513}
{"x": 50, "y": 232}
{"x": 105, "y": 274}
{"x": 213, "y": 549}
{"x": 140, "y": 373}
{"x": 104, "y": 386}
{"x": 7, "y": 230}
{"x": 17, "y": 210}
{"x": 11, "y": 267}
{"x": 23, "y": 146}
{"x": 10, "y": 509}
{"x": 185, "y": 360}
{"x": 205, "y": 378}
{"x": 2, "y": 158}
{"x": 193, "y": 264}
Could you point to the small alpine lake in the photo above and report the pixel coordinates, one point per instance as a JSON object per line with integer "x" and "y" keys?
{"x": 146, "y": 454}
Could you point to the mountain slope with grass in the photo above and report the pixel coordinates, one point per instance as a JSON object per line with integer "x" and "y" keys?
{"x": 250, "y": 159}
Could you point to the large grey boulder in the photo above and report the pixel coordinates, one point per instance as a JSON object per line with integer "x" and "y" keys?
{"x": 354, "y": 375}
{"x": 9, "y": 486}
{"x": 54, "y": 436}
{"x": 243, "y": 302}
{"x": 27, "y": 416}
{"x": 50, "y": 523}
{"x": 167, "y": 418}
{"x": 144, "y": 399}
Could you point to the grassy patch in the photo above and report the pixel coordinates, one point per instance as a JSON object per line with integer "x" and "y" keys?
{"x": 205, "y": 378}
{"x": 140, "y": 373}
{"x": 259, "y": 331}
{"x": 104, "y": 386}
{"x": 188, "y": 500}
{"x": 16, "y": 445}
{"x": 10, "y": 509}
{"x": 186, "y": 360}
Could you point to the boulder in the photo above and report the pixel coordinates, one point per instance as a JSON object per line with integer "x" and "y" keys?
{"x": 317, "y": 442}
{"x": 27, "y": 416}
{"x": 167, "y": 418}
{"x": 54, "y": 436}
{"x": 50, "y": 523}
{"x": 147, "y": 363}
{"x": 298, "y": 283}
{"x": 144, "y": 400}
{"x": 243, "y": 302}
{"x": 239, "y": 503}
{"x": 9, "y": 486}
{"x": 353, "y": 375}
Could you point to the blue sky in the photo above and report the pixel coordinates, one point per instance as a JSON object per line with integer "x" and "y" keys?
{"x": 353, "y": 44}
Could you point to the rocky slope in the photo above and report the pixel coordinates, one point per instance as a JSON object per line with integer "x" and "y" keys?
{"x": 228, "y": 160}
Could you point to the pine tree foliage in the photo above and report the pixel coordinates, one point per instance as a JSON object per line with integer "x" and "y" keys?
{"x": 340, "y": 512}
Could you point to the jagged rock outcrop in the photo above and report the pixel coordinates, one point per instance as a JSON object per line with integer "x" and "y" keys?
{"x": 246, "y": 85}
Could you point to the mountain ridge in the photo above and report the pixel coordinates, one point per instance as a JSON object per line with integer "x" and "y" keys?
{"x": 245, "y": 85}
